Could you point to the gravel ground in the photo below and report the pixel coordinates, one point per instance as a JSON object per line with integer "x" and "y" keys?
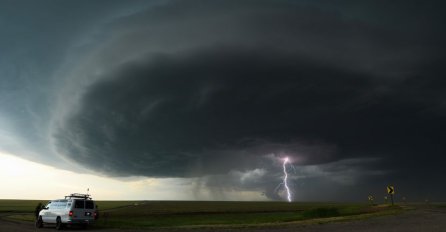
{"x": 431, "y": 220}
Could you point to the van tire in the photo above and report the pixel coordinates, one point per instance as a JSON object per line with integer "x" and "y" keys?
{"x": 39, "y": 222}
{"x": 59, "y": 224}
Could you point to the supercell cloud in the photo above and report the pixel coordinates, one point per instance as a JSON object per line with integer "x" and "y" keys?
{"x": 219, "y": 92}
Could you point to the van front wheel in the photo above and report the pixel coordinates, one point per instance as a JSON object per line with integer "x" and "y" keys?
{"x": 59, "y": 224}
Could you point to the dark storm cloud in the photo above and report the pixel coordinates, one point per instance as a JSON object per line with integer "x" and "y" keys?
{"x": 310, "y": 182}
{"x": 198, "y": 89}
{"x": 166, "y": 116}
{"x": 36, "y": 39}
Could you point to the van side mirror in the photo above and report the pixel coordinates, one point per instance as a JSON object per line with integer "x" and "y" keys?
{"x": 45, "y": 208}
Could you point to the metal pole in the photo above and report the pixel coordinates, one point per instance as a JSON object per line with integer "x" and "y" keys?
{"x": 391, "y": 197}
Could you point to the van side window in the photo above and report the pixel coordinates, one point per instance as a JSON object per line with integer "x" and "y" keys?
{"x": 89, "y": 205}
{"x": 79, "y": 204}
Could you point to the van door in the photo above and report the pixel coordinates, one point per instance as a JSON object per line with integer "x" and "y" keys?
{"x": 54, "y": 211}
{"x": 84, "y": 210}
{"x": 63, "y": 213}
{"x": 46, "y": 217}
{"x": 90, "y": 209}
{"x": 78, "y": 209}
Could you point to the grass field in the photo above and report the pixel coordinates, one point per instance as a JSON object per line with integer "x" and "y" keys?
{"x": 18, "y": 206}
{"x": 28, "y": 206}
{"x": 153, "y": 214}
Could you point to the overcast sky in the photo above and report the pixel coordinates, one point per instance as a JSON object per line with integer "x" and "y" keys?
{"x": 213, "y": 95}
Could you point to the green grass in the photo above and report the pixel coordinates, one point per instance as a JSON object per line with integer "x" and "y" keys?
{"x": 28, "y": 206}
{"x": 321, "y": 213}
{"x": 28, "y": 217}
{"x": 198, "y": 220}
{"x": 23, "y": 210}
{"x": 183, "y": 213}
{"x": 441, "y": 205}
{"x": 19, "y": 206}
{"x": 155, "y": 214}
{"x": 107, "y": 205}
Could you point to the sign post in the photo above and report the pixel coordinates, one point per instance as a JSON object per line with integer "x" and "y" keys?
{"x": 391, "y": 192}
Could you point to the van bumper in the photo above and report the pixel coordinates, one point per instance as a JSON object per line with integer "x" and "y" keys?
{"x": 80, "y": 221}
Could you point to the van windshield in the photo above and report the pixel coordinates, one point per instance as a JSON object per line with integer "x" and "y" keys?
{"x": 79, "y": 204}
{"x": 89, "y": 205}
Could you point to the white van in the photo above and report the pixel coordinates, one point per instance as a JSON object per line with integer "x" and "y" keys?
{"x": 74, "y": 209}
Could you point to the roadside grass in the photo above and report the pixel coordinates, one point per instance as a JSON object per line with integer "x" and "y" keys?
{"x": 191, "y": 214}
{"x": 27, "y": 217}
{"x": 28, "y": 206}
{"x": 441, "y": 205}
{"x": 108, "y": 205}
{"x": 19, "y": 206}
{"x": 198, "y": 219}
{"x": 196, "y": 214}
{"x": 23, "y": 210}
{"x": 321, "y": 213}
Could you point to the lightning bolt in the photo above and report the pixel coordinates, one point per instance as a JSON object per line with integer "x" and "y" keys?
{"x": 285, "y": 178}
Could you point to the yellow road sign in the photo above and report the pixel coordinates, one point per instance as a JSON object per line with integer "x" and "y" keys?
{"x": 390, "y": 189}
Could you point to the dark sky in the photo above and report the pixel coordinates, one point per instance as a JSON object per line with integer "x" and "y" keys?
{"x": 220, "y": 91}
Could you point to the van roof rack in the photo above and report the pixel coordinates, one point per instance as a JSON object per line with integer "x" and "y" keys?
{"x": 78, "y": 196}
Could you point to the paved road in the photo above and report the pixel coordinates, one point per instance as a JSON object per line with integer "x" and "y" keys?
{"x": 432, "y": 220}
